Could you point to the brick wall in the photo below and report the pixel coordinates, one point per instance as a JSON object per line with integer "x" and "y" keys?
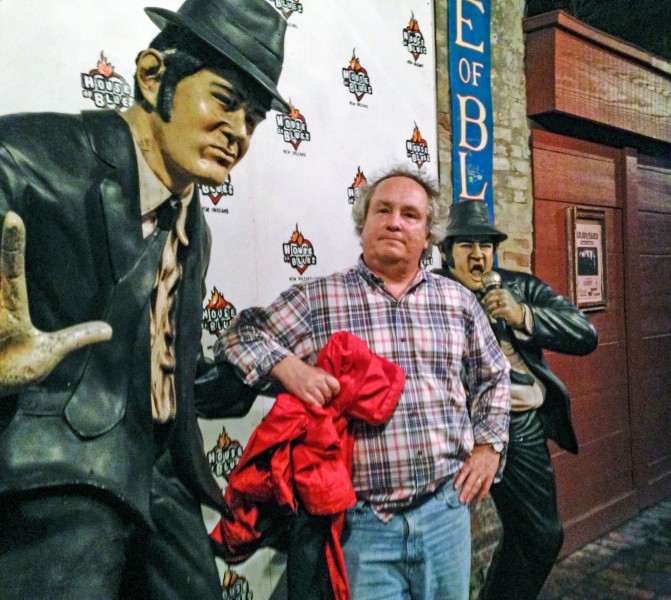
{"x": 513, "y": 203}
{"x": 512, "y": 167}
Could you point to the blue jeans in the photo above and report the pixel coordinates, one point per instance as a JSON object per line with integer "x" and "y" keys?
{"x": 423, "y": 553}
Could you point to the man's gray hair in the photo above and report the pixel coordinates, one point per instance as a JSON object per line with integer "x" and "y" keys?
{"x": 436, "y": 222}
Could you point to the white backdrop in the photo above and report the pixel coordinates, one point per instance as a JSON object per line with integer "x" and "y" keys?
{"x": 280, "y": 189}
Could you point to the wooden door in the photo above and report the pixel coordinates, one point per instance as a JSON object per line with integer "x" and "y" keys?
{"x": 596, "y": 488}
{"x": 648, "y": 282}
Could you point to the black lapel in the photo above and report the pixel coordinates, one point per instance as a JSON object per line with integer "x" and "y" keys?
{"x": 111, "y": 140}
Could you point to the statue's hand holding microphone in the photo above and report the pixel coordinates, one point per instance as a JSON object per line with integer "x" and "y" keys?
{"x": 499, "y": 302}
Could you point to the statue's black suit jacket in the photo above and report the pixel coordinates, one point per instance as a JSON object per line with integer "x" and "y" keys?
{"x": 558, "y": 326}
{"x": 73, "y": 179}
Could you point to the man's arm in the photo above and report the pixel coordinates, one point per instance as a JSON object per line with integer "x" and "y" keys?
{"x": 487, "y": 373}
{"x": 276, "y": 343}
{"x": 310, "y": 384}
{"x": 477, "y": 475}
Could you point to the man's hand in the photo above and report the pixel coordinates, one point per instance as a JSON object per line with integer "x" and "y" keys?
{"x": 310, "y": 384}
{"x": 28, "y": 355}
{"x": 500, "y": 304}
{"x": 477, "y": 475}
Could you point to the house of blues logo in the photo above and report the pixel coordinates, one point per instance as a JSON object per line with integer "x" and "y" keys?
{"x": 215, "y": 193}
{"x": 413, "y": 39}
{"x": 353, "y": 191}
{"x": 224, "y": 457}
{"x": 217, "y": 314}
{"x": 417, "y": 149}
{"x": 292, "y": 127}
{"x": 298, "y": 252}
{"x": 355, "y": 78}
{"x": 106, "y": 88}
{"x": 235, "y": 587}
{"x": 288, "y": 7}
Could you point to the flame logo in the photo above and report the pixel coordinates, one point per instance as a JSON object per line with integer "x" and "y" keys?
{"x": 105, "y": 86}
{"x": 359, "y": 180}
{"x": 218, "y": 313}
{"x": 225, "y": 455}
{"x": 413, "y": 25}
{"x": 224, "y": 439}
{"x": 355, "y": 65}
{"x": 355, "y": 78}
{"x": 104, "y": 67}
{"x": 298, "y": 252}
{"x": 294, "y": 113}
{"x": 417, "y": 136}
{"x": 217, "y": 301}
{"x": 413, "y": 38}
{"x": 298, "y": 239}
{"x": 292, "y": 126}
{"x": 417, "y": 148}
{"x": 235, "y": 587}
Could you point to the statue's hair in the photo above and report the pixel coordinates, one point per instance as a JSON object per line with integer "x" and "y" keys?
{"x": 446, "y": 249}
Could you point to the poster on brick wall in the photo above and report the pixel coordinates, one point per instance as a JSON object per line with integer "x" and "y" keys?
{"x": 360, "y": 80}
{"x": 471, "y": 95}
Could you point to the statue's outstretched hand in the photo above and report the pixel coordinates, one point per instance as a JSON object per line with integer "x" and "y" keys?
{"x": 28, "y": 355}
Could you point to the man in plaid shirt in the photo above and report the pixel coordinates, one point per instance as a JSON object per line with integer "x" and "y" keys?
{"x": 408, "y": 536}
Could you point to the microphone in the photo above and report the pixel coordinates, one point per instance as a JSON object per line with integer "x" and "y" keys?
{"x": 491, "y": 280}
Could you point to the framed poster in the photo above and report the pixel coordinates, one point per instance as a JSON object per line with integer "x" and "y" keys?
{"x": 586, "y": 242}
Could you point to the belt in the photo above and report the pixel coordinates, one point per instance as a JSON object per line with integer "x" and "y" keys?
{"x": 420, "y": 500}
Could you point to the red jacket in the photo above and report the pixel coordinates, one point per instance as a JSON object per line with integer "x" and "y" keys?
{"x": 302, "y": 453}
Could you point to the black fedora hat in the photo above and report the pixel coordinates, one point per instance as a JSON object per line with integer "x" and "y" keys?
{"x": 470, "y": 218}
{"x": 249, "y": 33}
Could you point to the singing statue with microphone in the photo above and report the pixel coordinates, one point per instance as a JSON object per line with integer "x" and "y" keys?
{"x": 527, "y": 317}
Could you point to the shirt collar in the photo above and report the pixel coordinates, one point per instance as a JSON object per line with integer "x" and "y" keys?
{"x": 377, "y": 281}
{"x": 152, "y": 191}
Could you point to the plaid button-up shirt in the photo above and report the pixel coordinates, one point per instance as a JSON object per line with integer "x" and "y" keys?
{"x": 435, "y": 332}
